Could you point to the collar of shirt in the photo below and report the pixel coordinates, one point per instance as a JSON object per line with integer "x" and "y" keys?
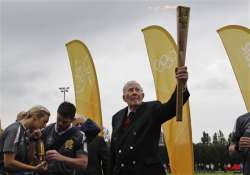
{"x": 62, "y": 132}
{"x": 25, "y": 129}
{"x": 129, "y": 110}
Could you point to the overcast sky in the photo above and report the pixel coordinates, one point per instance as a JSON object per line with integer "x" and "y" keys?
{"x": 34, "y": 61}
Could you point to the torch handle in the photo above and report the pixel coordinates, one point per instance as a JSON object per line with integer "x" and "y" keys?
{"x": 182, "y": 31}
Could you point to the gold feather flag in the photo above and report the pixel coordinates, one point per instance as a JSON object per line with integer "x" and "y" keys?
{"x": 162, "y": 53}
{"x": 236, "y": 40}
{"x": 85, "y": 81}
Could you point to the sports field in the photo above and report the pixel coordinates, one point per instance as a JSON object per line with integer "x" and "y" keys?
{"x": 229, "y": 173}
{"x": 218, "y": 174}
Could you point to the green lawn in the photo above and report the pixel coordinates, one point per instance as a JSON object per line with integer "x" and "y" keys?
{"x": 218, "y": 174}
{"x": 229, "y": 173}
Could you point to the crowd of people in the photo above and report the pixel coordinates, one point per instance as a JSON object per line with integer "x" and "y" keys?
{"x": 72, "y": 146}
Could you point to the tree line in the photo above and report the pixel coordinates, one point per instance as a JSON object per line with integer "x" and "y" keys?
{"x": 211, "y": 153}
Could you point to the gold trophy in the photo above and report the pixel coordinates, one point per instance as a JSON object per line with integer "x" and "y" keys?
{"x": 40, "y": 150}
{"x": 182, "y": 31}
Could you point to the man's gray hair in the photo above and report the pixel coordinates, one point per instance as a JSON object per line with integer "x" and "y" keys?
{"x": 129, "y": 83}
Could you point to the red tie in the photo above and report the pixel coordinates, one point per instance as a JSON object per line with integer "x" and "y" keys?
{"x": 128, "y": 119}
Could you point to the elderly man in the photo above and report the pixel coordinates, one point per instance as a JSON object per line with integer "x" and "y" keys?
{"x": 136, "y": 130}
{"x": 240, "y": 141}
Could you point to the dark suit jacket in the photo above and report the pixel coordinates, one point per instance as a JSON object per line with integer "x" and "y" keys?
{"x": 135, "y": 150}
{"x": 99, "y": 157}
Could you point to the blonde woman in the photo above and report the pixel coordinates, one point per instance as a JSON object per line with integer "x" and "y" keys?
{"x": 15, "y": 140}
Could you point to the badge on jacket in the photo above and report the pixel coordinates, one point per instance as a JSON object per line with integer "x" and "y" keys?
{"x": 69, "y": 144}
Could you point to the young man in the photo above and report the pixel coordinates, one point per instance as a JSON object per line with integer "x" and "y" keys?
{"x": 66, "y": 149}
{"x": 240, "y": 141}
{"x": 136, "y": 130}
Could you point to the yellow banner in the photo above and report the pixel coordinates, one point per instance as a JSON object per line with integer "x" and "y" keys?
{"x": 162, "y": 53}
{"x": 85, "y": 81}
{"x": 236, "y": 40}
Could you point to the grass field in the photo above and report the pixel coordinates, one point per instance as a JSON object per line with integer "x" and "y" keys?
{"x": 229, "y": 173}
{"x": 218, "y": 174}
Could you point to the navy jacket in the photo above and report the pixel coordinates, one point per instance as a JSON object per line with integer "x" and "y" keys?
{"x": 135, "y": 150}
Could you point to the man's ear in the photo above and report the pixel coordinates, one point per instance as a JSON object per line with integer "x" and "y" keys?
{"x": 123, "y": 97}
{"x": 142, "y": 96}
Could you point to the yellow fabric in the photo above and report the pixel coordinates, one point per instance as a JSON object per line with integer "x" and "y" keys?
{"x": 85, "y": 82}
{"x": 236, "y": 40}
{"x": 162, "y": 53}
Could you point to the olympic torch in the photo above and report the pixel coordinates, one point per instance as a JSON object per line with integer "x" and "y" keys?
{"x": 182, "y": 31}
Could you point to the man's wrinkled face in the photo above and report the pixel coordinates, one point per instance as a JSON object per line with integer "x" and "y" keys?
{"x": 133, "y": 94}
{"x": 62, "y": 122}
